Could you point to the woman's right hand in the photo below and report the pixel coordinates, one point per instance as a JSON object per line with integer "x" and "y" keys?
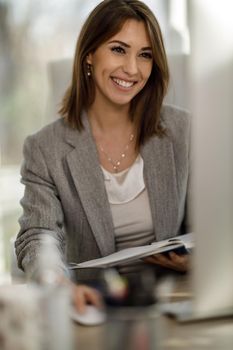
{"x": 83, "y": 295}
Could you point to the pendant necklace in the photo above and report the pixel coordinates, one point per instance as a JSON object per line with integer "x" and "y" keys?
{"x": 116, "y": 163}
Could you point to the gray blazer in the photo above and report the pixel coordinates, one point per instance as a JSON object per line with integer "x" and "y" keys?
{"x": 65, "y": 194}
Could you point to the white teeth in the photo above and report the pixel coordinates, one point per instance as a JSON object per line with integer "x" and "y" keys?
{"x": 123, "y": 83}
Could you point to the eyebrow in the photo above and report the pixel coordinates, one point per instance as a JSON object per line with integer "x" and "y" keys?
{"x": 127, "y": 45}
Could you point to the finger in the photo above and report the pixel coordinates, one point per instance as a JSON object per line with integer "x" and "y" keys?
{"x": 179, "y": 259}
{"x": 79, "y": 298}
{"x": 181, "y": 262}
{"x": 151, "y": 258}
{"x": 87, "y": 295}
{"x": 159, "y": 259}
{"x": 93, "y": 297}
{"x": 176, "y": 257}
{"x": 162, "y": 258}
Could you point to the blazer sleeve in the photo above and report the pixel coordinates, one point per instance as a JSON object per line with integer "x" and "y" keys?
{"x": 42, "y": 210}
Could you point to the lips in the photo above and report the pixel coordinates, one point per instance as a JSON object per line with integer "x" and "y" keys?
{"x": 123, "y": 83}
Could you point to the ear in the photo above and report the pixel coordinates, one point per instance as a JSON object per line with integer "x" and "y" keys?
{"x": 89, "y": 58}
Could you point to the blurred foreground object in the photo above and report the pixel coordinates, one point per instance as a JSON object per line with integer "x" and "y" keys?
{"x": 131, "y": 311}
{"x": 54, "y": 298}
{"x": 20, "y": 325}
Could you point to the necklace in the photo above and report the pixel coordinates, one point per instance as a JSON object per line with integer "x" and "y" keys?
{"x": 116, "y": 163}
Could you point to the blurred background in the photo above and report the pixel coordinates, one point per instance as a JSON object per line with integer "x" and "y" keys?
{"x": 37, "y": 42}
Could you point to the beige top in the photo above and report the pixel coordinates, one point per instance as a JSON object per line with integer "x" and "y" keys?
{"x": 130, "y": 206}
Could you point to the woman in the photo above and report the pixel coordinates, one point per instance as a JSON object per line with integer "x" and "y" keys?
{"x": 113, "y": 171}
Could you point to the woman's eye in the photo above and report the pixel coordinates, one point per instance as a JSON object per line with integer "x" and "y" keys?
{"x": 118, "y": 49}
{"x": 147, "y": 55}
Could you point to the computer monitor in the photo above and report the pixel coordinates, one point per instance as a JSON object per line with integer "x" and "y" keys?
{"x": 211, "y": 200}
{"x": 211, "y": 87}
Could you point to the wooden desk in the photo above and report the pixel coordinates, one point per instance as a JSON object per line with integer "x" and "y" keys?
{"x": 170, "y": 335}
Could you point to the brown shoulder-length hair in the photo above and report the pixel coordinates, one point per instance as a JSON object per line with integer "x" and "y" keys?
{"x": 105, "y": 21}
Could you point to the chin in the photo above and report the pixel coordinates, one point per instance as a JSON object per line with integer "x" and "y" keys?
{"x": 122, "y": 101}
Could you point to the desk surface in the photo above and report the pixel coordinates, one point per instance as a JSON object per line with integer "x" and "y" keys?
{"x": 214, "y": 335}
{"x": 168, "y": 333}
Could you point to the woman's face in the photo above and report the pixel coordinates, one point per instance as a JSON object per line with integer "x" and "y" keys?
{"x": 122, "y": 65}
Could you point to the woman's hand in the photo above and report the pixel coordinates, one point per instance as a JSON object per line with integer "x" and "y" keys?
{"x": 83, "y": 295}
{"x": 173, "y": 261}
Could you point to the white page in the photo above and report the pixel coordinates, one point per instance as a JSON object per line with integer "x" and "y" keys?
{"x": 134, "y": 253}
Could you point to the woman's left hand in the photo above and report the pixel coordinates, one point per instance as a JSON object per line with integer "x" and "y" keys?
{"x": 173, "y": 261}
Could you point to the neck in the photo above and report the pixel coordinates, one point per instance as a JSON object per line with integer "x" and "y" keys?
{"x": 114, "y": 135}
{"x": 109, "y": 118}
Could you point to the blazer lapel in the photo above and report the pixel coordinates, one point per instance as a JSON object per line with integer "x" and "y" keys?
{"x": 160, "y": 179}
{"x": 89, "y": 182}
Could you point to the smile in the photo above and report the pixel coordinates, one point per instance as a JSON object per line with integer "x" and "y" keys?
{"x": 123, "y": 83}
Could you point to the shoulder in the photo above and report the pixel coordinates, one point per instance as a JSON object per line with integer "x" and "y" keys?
{"x": 177, "y": 121}
{"x": 48, "y": 143}
{"x": 172, "y": 115}
{"x": 50, "y": 131}
{"x": 49, "y": 136}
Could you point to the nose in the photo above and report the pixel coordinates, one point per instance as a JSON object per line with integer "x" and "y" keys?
{"x": 130, "y": 65}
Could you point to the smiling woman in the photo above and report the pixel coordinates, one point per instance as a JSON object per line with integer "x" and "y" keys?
{"x": 112, "y": 172}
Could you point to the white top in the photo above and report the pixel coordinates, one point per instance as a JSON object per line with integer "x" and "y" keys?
{"x": 124, "y": 186}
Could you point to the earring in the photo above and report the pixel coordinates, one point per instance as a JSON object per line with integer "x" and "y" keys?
{"x": 88, "y": 70}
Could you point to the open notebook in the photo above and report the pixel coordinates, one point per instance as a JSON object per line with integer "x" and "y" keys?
{"x": 180, "y": 244}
